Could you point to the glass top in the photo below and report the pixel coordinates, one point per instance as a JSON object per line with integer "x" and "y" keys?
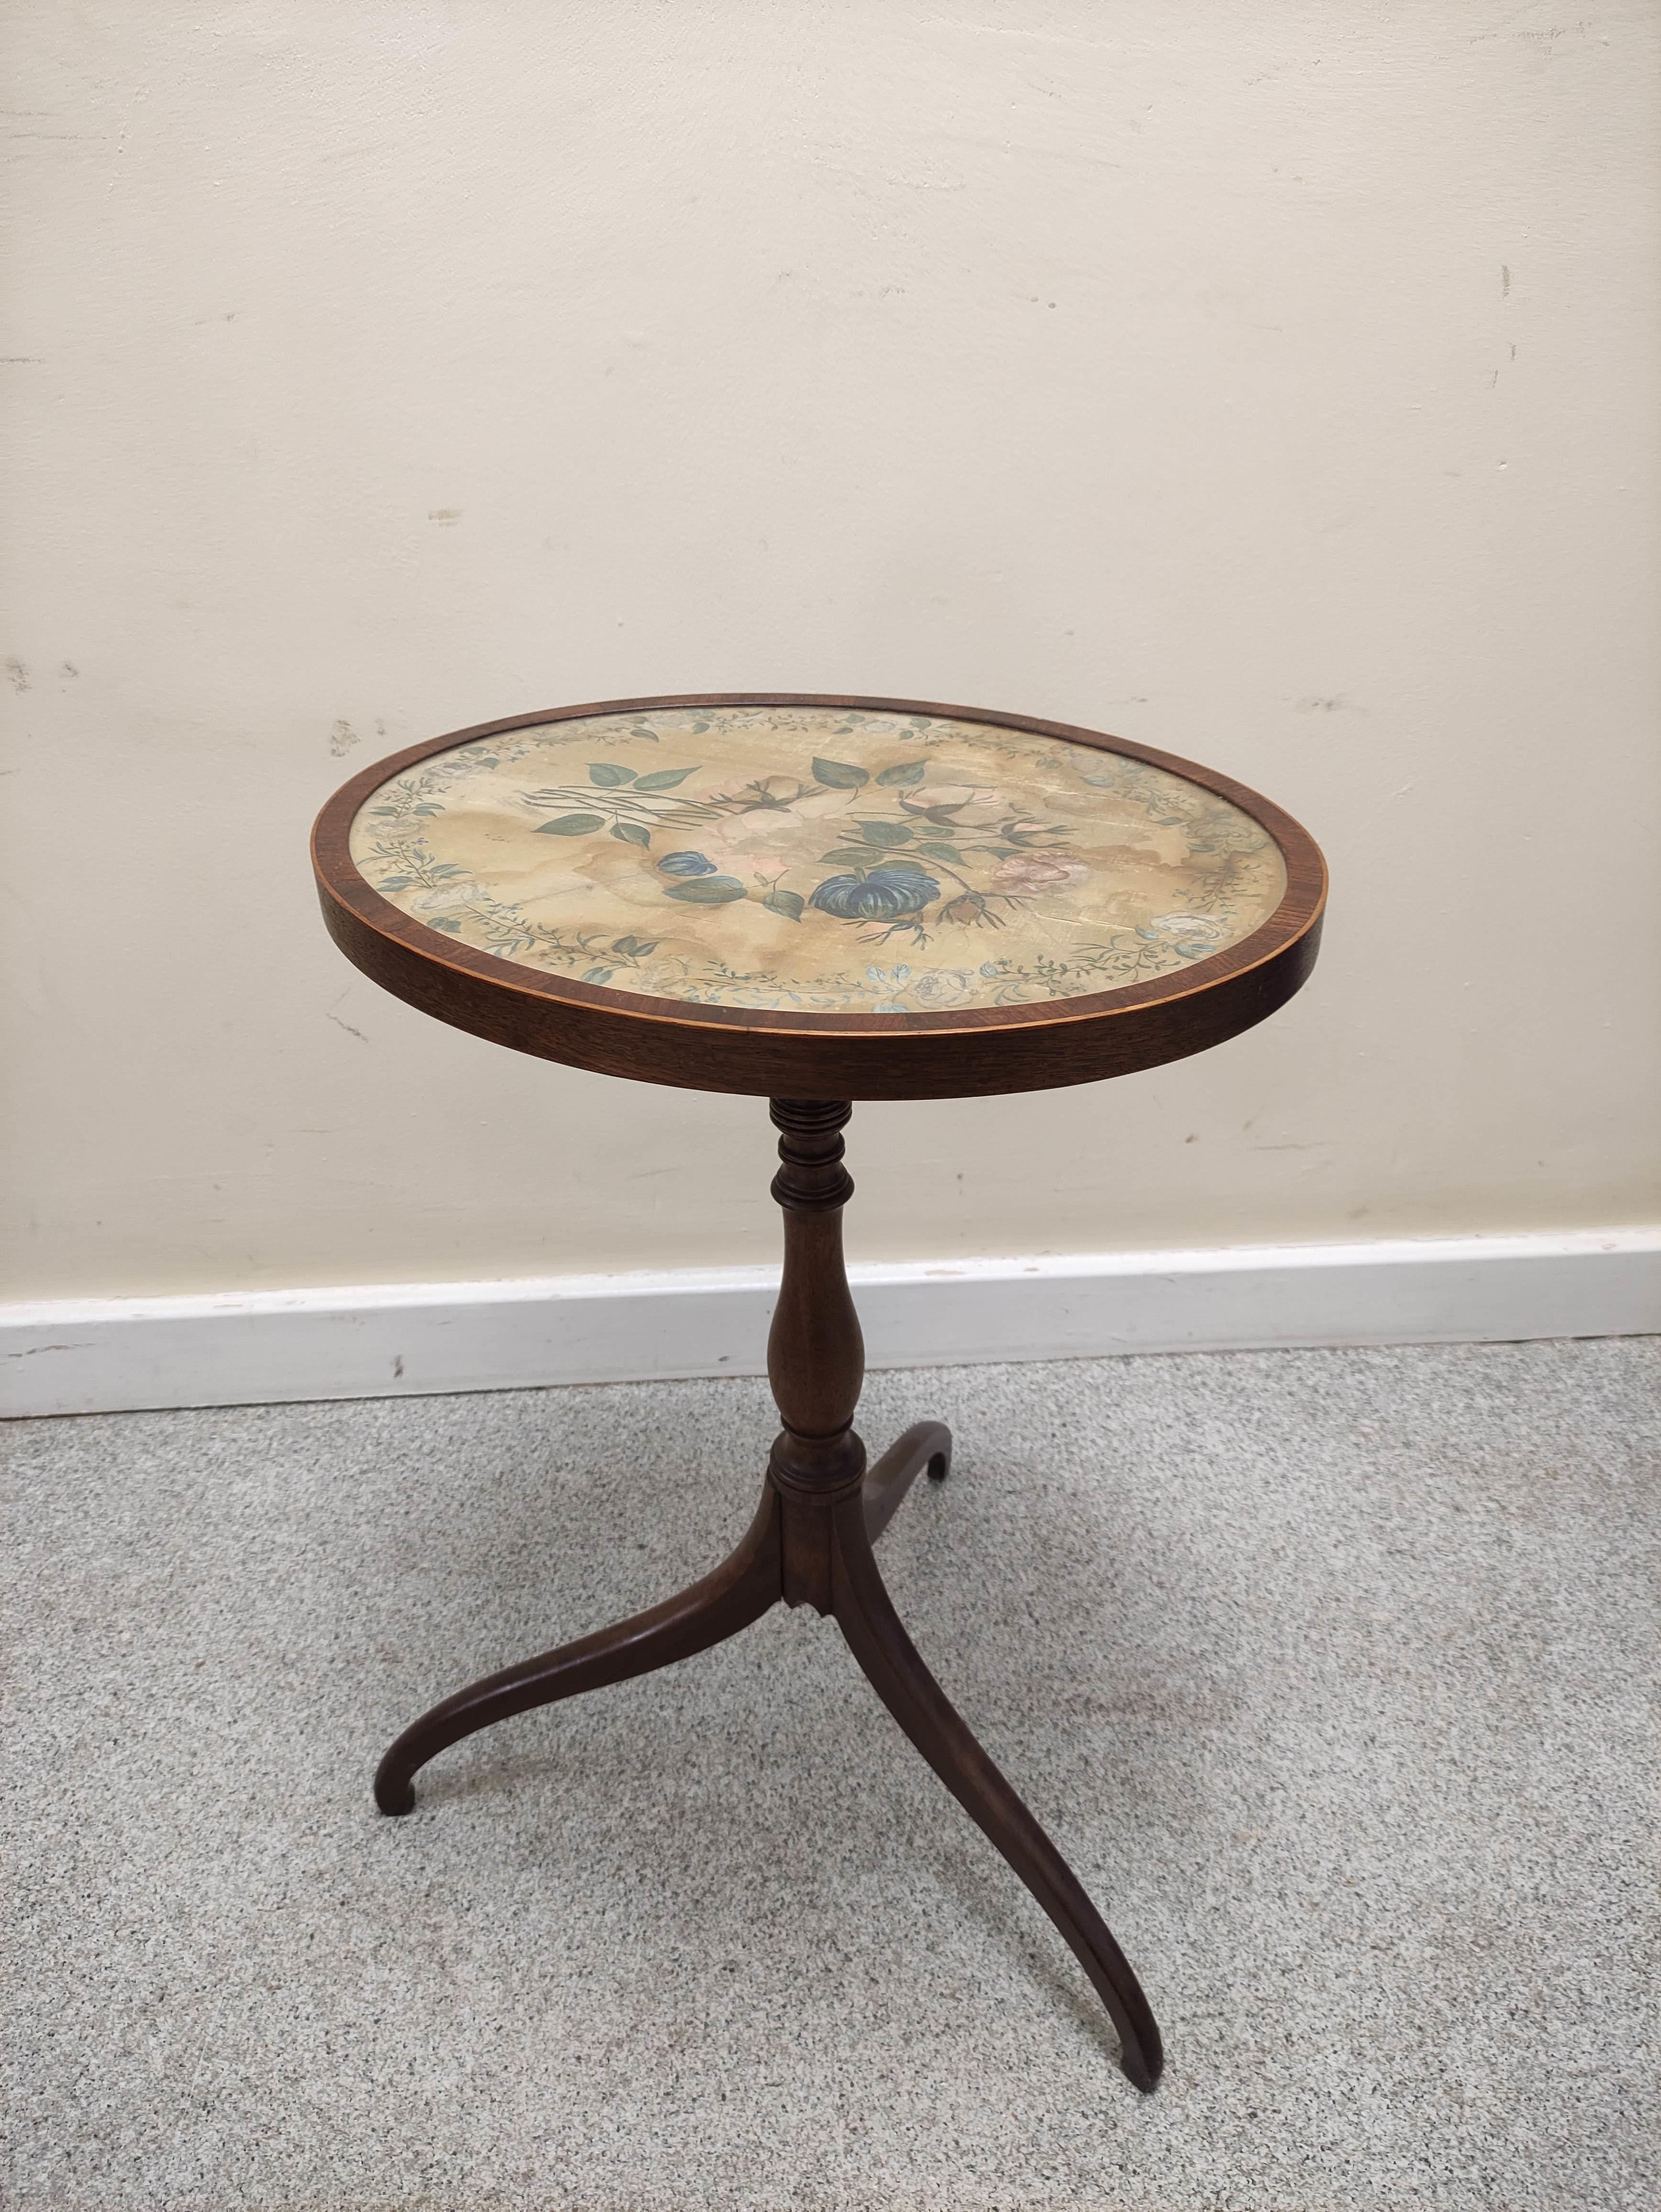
{"x": 819, "y": 859}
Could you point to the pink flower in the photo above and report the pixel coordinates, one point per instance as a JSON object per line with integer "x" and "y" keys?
{"x": 783, "y": 835}
{"x": 943, "y": 987}
{"x": 1039, "y": 871}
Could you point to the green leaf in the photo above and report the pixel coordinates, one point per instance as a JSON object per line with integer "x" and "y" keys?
{"x": 634, "y": 948}
{"x": 632, "y": 833}
{"x": 394, "y": 883}
{"x": 788, "y": 903}
{"x": 447, "y": 922}
{"x": 609, "y": 773}
{"x": 885, "y": 833}
{"x": 664, "y": 778}
{"x": 707, "y": 891}
{"x": 570, "y": 825}
{"x": 901, "y": 864}
{"x": 598, "y": 975}
{"x": 428, "y": 809}
{"x": 942, "y": 853}
{"x": 650, "y": 736}
{"x": 903, "y": 772}
{"x": 841, "y": 775}
{"x": 847, "y": 857}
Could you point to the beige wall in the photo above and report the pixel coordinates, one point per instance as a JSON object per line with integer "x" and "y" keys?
{"x": 1275, "y": 385}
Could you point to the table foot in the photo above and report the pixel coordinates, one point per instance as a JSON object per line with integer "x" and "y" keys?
{"x": 925, "y": 1444}
{"x": 739, "y": 1591}
{"x": 897, "y": 1673}
{"x": 811, "y": 1543}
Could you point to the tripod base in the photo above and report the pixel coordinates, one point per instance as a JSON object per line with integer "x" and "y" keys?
{"x": 812, "y": 1544}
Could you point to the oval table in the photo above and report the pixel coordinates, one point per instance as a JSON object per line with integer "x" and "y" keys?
{"x": 816, "y": 900}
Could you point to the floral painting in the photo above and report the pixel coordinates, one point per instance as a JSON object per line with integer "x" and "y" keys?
{"x": 816, "y": 858}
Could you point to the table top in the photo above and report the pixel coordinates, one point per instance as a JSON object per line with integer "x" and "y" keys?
{"x": 868, "y": 897}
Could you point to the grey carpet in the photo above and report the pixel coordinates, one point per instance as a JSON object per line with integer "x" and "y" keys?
{"x": 1330, "y": 1672}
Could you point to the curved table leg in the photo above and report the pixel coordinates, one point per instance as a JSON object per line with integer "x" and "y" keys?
{"x": 739, "y": 1591}
{"x": 924, "y": 1443}
{"x": 897, "y": 1673}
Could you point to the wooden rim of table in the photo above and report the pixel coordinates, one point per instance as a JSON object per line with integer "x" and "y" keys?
{"x": 762, "y": 1053}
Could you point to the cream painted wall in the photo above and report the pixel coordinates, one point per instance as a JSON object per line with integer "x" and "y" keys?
{"x": 1272, "y": 384}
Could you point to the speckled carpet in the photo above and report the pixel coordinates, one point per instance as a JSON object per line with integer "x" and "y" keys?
{"x": 1332, "y": 1673}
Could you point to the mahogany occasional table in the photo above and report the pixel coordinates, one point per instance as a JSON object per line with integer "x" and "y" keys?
{"x": 816, "y": 900}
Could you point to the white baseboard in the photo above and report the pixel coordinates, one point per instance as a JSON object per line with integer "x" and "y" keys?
{"x": 107, "y": 1355}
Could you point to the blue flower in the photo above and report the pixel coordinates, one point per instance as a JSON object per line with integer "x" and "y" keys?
{"x": 883, "y": 895}
{"x": 687, "y": 864}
